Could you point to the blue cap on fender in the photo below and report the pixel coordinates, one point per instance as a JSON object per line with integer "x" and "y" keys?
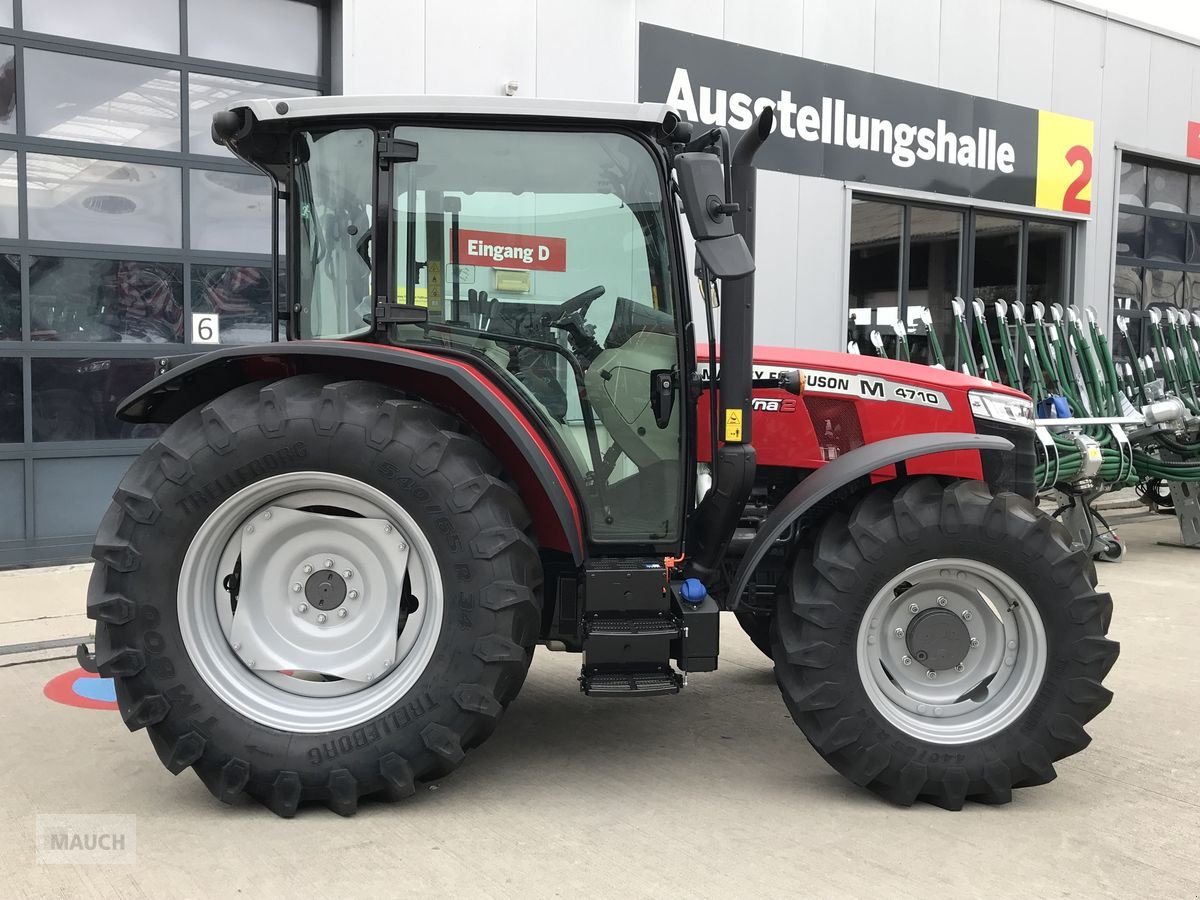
{"x": 693, "y": 591}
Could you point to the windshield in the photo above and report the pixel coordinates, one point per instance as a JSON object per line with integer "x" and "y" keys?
{"x": 544, "y": 255}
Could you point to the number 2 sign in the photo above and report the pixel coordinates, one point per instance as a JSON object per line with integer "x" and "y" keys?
{"x": 1064, "y": 162}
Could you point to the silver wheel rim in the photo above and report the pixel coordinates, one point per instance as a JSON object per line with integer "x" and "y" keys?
{"x": 281, "y": 659}
{"x": 997, "y": 678}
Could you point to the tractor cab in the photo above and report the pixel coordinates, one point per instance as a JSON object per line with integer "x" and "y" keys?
{"x": 541, "y": 244}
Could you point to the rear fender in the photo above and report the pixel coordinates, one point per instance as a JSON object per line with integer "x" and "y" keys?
{"x": 446, "y": 382}
{"x": 848, "y": 467}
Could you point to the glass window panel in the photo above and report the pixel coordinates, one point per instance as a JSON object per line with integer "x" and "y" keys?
{"x": 73, "y": 198}
{"x": 1193, "y": 243}
{"x": 1127, "y": 294}
{"x": 209, "y": 93}
{"x": 1048, "y": 266}
{"x": 1131, "y": 235}
{"x": 240, "y": 295}
{"x": 6, "y": 13}
{"x": 1164, "y": 287}
{"x": 230, "y": 211}
{"x": 12, "y": 402}
{"x": 1193, "y": 293}
{"x": 76, "y": 98}
{"x": 1165, "y": 239}
{"x": 8, "y": 194}
{"x": 233, "y": 30}
{"x": 875, "y": 231}
{"x": 1133, "y": 183}
{"x": 147, "y": 24}
{"x": 74, "y": 299}
{"x": 934, "y": 251}
{"x": 1194, "y": 195}
{"x": 76, "y": 399}
{"x": 8, "y": 90}
{"x": 1168, "y": 189}
{"x": 10, "y": 297}
{"x": 997, "y": 262}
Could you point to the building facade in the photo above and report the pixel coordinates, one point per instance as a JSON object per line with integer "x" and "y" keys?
{"x": 1032, "y": 150}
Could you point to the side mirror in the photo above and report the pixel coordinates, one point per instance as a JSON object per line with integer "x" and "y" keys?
{"x": 710, "y": 216}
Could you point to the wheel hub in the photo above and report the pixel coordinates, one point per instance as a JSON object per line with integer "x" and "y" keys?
{"x": 938, "y": 639}
{"x": 325, "y": 590}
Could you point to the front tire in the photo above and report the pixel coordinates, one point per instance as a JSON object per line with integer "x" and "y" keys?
{"x": 371, "y": 673}
{"x": 944, "y": 644}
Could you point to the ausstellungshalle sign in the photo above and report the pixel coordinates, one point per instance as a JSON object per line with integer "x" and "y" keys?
{"x": 840, "y": 123}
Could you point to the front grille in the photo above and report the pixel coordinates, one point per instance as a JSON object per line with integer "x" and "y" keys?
{"x": 835, "y": 423}
{"x": 1009, "y": 470}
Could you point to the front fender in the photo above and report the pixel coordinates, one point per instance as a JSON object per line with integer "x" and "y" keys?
{"x": 445, "y": 381}
{"x": 858, "y": 463}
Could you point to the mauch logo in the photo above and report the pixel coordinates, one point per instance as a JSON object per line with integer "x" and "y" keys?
{"x": 86, "y": 839}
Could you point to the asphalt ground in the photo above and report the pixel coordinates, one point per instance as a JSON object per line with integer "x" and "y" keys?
{"x": 713, "y": 793}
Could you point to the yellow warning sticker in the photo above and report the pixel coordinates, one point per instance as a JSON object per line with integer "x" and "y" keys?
{"x": 733, "y": 424}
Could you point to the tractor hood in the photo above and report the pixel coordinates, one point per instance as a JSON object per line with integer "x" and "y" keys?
{"x": 767, "y": 360}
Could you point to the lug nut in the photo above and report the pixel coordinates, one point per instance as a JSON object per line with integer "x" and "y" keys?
{"x": 907, "y": 660}
{"x": 321, "y": 618}
{"x": 899, "y": 632}
{"x": 347, "y": 574}
{"x": 387, "y": 529}
{"x": 237, "y": 646}
{"x": 302, "y": 608}
{"x": 329, "y": 563}
{"x": 353, "y": 595}
{"x": 966, "y": 615}
{"x": 308, "y": 570}
{"x": 959, "y": 667}
{"x": 370, "y": 676}
{"x": 249, "y": 529}
{"x": 387, "y": 663}
{"x": 254, "y": 663}
{"x": 974, "y": 642}
{"x": 267, "y": 514}
{"x": 941, "y": 601}
{"x": 296, "y": 588}
{"x": 930, "y": 674}
{"x": 342, "y": 613}
{"x": 913, "y": 608}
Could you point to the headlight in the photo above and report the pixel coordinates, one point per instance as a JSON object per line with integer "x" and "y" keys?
{"x": 1002, "y": 408}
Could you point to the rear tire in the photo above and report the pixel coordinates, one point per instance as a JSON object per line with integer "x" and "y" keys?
{"x": 757, "y": 626}
{"x": 844, "y": 630}
{"x": 189, "y": 692}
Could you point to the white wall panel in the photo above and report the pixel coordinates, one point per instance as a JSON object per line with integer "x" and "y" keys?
{"x": 697, "y": 16}
{"x": 907, "y": 38}
{"x": 1026, "y": 60}
{"x": 1168, "y": 100}
{"x": 771, "y": 24}
{"x": 587, "y": 49}
{"x": 970, "y": 43}
{"x": 1126, "y": 77}
{"x": 776, "y": 300}
{"x": 1078, "y": 63}
{"x": 841, "y": 32}
{"x": 370, "y": 61}
{"x": 820, "y": 297}
{"x": 476, "y": 46}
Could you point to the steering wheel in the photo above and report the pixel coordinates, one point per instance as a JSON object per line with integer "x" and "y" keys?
{"x": 569, "y": 317}
{"x": 573, "y": 311}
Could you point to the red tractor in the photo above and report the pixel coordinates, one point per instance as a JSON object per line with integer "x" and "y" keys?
{"x": 327, "y": 578}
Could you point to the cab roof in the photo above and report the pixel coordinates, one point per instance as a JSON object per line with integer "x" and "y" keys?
{"x": 434, "y": 104}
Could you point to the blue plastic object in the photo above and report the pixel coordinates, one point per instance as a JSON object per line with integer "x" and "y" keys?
{"x": 693, "y": 591}
{"x": 1054, "y": 407}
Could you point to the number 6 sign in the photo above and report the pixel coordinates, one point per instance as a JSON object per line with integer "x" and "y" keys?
{"x": 206, "y": 328}
{"x": 1064, "y": 162}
